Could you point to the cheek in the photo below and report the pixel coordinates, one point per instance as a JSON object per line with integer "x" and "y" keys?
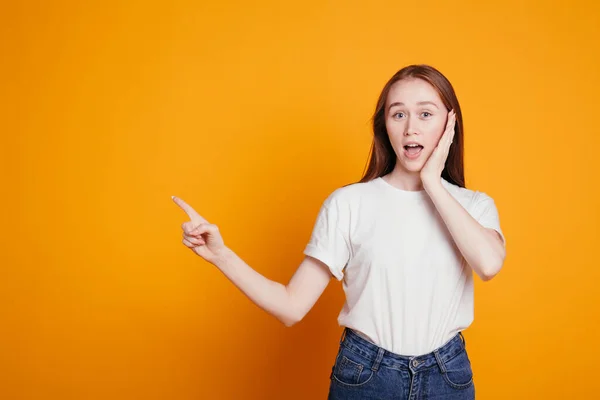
{"x": 394, "y": 129}
{"x": 436, "y": 133}
{"x": 395, "y": 135}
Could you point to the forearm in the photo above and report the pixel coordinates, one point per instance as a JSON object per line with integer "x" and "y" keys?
{"x": 481, "y": 248}
{"x": 269, "y": 295}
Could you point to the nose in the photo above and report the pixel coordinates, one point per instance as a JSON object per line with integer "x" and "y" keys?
{"x": 411, "y": 127}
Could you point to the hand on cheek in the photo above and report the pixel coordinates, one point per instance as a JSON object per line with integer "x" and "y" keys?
{"x": 432, "y": 170}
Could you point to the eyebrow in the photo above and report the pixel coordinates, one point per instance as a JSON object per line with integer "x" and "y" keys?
{"x": 419, "y": 104}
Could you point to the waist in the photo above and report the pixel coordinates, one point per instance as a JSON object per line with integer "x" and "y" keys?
{"x": 359, "y": 343}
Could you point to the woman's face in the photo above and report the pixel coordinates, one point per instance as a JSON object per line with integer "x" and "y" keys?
{"x": 414, "y": 114}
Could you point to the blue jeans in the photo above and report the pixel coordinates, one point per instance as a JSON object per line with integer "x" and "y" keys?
{"x": 363, "y": 370}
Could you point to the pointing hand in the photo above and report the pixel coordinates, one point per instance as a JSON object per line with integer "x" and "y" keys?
{"x": 199, "y": 235}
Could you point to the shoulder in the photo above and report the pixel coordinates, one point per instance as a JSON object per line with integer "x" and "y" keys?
{"x": 350, "y": 194}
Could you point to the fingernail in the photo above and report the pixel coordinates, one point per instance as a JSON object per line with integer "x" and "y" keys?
{"x": 172, "y": 197}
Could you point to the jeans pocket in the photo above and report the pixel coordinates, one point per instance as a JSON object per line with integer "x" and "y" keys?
{"x": 458, "y": 373}
{"x": 350, "y": 369}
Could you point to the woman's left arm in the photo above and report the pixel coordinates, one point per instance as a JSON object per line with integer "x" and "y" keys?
{"x": 482, "y": 248}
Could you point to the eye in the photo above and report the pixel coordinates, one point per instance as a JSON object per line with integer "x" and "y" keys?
{"x": 425, "y": 112}
{"x": 399, "y": 112}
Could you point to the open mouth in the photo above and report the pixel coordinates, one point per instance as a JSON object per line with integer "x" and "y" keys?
{"x": 413, "y": 151}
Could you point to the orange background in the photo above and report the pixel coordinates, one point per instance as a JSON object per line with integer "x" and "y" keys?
{"x": 254, "y": 114}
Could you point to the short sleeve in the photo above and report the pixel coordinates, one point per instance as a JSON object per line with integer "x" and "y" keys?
{"x": 486, "y": 213}
{"x": 328, "y": 243}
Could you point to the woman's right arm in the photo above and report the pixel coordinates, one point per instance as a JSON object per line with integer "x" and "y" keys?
{"x": 288, "y": 303}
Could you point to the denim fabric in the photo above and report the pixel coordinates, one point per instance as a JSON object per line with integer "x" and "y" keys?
{"x": 363, "y": 370}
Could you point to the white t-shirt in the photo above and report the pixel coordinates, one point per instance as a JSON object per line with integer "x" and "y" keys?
{"x": 408, "y": 288}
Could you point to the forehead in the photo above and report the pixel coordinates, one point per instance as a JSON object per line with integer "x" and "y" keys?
{"x": 411, "y": 91}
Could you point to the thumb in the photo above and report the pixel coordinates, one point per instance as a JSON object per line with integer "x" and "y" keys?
{"x": 211, "y": 229}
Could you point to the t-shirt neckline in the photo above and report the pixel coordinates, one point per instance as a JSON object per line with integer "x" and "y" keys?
{"x": 406, "y": 193}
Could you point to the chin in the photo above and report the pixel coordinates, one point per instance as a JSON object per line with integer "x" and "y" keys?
{"x": 412, "y": 166}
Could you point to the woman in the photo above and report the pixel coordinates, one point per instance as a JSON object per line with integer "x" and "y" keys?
{"x": 405, "y": 240}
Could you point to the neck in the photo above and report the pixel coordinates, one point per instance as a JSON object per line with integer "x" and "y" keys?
{"x": 405, "y": 180}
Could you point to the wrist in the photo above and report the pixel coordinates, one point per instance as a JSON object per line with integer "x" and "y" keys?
{"x": 431, "y": 184}
{"x": 223, "y": 258}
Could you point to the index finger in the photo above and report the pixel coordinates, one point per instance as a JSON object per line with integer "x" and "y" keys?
{"x": 194, "y": 216}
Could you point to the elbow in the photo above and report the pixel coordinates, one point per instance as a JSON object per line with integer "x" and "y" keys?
{"x": 489, "y": 265}
{"x": 291, "y": 319}
{"x": 487, "y": 276}
{"x": 289, "y": 322}
{"x": 292, "y": 313}
{"x": 489, "y": 271}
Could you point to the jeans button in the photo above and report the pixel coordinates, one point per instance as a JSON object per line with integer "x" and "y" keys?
{"x": 415, "y": 363}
